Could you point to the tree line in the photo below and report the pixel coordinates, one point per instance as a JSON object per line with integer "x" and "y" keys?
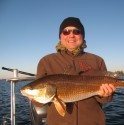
{"x": 121, "y": 73}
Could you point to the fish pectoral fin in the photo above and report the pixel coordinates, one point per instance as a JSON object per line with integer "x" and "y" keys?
{"x": 60, "y": 106}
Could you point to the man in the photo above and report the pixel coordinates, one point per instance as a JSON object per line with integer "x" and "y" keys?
{"x": 71, "y": 59}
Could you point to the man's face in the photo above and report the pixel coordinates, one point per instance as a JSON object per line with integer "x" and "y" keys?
{"x": 71, "y": 38}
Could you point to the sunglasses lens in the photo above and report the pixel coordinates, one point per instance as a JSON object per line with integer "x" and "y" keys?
{"x": 74, "y": 31}
{"x": 66, "y": 32}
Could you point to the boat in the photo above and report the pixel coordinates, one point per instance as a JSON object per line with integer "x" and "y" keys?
{"x": 38, "y": 114}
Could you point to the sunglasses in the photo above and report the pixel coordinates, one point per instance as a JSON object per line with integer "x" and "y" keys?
{"x": 74, "y": 31}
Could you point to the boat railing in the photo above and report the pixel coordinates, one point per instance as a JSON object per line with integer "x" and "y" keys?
{"x": 13, "y": 81}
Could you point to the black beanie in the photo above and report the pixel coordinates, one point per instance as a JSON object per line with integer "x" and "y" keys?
{"x": 72, "y": 21}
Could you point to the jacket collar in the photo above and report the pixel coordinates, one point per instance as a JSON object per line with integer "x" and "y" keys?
{"x": 76, "y": 52}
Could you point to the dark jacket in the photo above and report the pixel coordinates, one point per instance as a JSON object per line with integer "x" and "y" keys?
{"x": 85, "y": 112}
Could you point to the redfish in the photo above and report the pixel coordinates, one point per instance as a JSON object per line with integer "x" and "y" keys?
{"x": 61, "y": 89}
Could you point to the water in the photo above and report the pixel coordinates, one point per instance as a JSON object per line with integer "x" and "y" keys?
{"x": 22, "y": 104}
{"x": 114, "y": 110}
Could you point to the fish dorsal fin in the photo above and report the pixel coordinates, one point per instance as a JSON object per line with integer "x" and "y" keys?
{"x": 60, "y": 106}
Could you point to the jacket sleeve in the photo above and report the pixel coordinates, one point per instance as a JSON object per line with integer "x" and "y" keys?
{"x": 41, "y": 70}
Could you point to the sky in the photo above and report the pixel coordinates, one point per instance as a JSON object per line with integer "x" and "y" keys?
{"x": 29, "y": 30}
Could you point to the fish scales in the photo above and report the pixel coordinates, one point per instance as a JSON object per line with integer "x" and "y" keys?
{"x": 71, "y": 93}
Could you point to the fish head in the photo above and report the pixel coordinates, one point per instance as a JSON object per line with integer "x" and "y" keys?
{"x": 42, "y": 93}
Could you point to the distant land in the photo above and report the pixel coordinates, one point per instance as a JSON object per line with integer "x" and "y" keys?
{"x": 120, "y": 73}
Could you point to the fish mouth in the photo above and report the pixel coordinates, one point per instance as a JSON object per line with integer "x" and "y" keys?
{"x": 35, "y": 95}
{"x": 30, "y": 92}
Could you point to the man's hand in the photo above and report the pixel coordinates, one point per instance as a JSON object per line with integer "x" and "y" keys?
{"x": 106, "y": 90}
